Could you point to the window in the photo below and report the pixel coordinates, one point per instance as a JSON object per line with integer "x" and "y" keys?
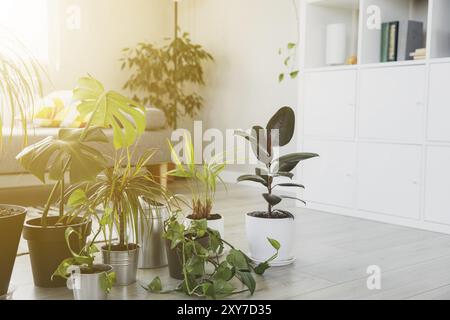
{"x": 27, "y": 20}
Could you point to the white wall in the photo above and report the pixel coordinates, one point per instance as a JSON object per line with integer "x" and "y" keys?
{"x": 107, "y": 26}
{"x": 244, "y": 37}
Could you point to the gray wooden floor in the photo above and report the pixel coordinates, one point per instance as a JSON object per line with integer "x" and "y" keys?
{"x": 333, "y": 254}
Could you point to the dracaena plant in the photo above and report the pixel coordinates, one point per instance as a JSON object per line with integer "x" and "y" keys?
{"x": 119, "y": 190}
{"x": 278, "y": 133}
{"x": 201, "y": 179}
{"x": 204, "y": 274}
{"x": 71, "y": 151}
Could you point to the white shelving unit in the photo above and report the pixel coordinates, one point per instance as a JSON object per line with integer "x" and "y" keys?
{"x": 382, "y": 129}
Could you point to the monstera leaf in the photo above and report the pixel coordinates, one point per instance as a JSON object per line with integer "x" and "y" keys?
{"x": 52, "y": 154}
{"x": 288, "y": 162}
{"x": 284, "y": 122}
{"x": 110, "y": 109}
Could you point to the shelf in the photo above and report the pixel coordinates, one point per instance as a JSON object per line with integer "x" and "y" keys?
{"x": 343, "y": 4}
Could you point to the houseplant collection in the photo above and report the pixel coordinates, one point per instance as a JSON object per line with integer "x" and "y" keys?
{"x": 73, "y": 152}
{"x": 202, "y": 182}
{"x": 193, "y": 258}
{"x": 21, "y": 86}
{"x": 273, "y": 223}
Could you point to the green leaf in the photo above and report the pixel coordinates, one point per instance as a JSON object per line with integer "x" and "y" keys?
{"x": 237, "y": 259}
{"x": 50, "y": 154}
{"x": 291, "y": 45}
{"x": 77, "y": 198}
{"x": 293, "y": 198}
{"x": 281, "y": 77}
{"x": 223, "y": 272}
{"x": 294, "y": 74}
{"x": 62, "y": 270}
{"x": 248, "y": 280}
{"x": 107, "y": 281}
{"x": 286, "y": 61}
{"x": 110, "y": 109}
{"x": 261, "y": 268}
{"x": 290, "y": 185}
{"x": 195, "y": 266}
{"x": 284, "y": 124}
{"x": 289, "y": 162}
{"x": 155, "y": 286}
{"x": 272, "y": 199}
{"x": 274, "y": 243}
{"x": 253, "y": 178}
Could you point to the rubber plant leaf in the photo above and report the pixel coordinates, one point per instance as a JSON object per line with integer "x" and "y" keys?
{"x": 260, "y": 146}
{"x": 51, "y": 154}
{"x": 283, "y": 124}
{"x": 289, "y": 162}
{"x": 272, "y": 199}
{"x": 259, "y": 150}
{"x": 110, "y": 109}
{"x": 253, "y": 178}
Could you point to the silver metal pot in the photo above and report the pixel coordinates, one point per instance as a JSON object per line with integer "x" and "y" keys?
{"x": 89, "y": 286}
{"x": 124, "y": 264}
{"x": 151, "y": 228}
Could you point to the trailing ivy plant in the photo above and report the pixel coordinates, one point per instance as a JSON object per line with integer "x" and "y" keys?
{"x": 205, "y": 275}
{"x": 278, "y": 132}
{"x": 85, "y": 258}
{"x": 164, "y": 77}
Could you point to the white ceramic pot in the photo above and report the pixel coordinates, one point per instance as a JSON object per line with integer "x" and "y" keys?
{"x": 282, "y": 230}
{"x": 218, "y": 225}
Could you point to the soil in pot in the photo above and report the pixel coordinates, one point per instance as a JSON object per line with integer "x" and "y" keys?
{"x": 11, "y": 224}
{"x": 48, "y": 247}
{"x": 277, "y": 214}
{"x": 211, "y": 217}
{"x": 175, "y": 257}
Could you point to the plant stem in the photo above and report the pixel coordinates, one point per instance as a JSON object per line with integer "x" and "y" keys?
{"x": 175, "y": 112}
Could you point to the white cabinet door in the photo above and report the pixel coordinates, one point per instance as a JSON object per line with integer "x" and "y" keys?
{"x": 330, "y": 99}
{"x": 330, "y": 179}
{"x": 392, "y": 103}
{"x": 439, "y": 103}
{"x": 437, "y": 194}
{"x": 389, "y": 179}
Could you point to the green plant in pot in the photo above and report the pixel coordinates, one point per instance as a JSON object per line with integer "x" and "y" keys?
{"x": 20, "y": 87}
{"x": 88, "y": 280}
{"x": 273, "y": 222}
{"x": 73, "y": 152}
{"x": 202, "y": 182}
{"x": 121, "y": 191}
{"x": 193, "y": 258}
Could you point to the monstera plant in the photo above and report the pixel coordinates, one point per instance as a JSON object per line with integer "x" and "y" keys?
{"x": 273, "y": 223}
{"x": 74, "y": 153}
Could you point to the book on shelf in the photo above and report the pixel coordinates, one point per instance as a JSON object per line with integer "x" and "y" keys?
{"x": 410, "y": 38}
{"x": 419, "y": 54}
{"x": 393, "y": 41}
{"x": 384, "y": 42}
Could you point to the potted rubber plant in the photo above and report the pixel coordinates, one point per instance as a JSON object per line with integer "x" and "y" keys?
{"x": 273, "y": 222}
{"x": 88, "y": 280}
{"x": 73, "y": 152}
{"x": 202, "y": 182}
{"x": 120, "y": 190}
{"x": 193, "y": 253}
{"x": 21, "y": 86}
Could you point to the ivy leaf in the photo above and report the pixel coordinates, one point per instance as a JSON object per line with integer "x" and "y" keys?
{"x": 78, "y": 197}
{"x": 107, "y": 281}
{"x": 291, "y": 45}
{"x": 294, "y": 74}
{"x": 281, "y": 77}
{"x": 286, "y": 61}
{"x": 195, "y": 266}
{"x": 248, "y": 280}
{"x": 237, "y": 259}
{"x": 261, "y": 268}
{"x": 275, "y": 244}
{"x": 224, "y": 272}
{"x": 155, "y": 286}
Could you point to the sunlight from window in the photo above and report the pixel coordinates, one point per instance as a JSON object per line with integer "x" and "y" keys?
{"x": 27, "y": 20}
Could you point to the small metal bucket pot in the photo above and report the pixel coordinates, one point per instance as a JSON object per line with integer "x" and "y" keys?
{"x": 89, "y": 286}
{"x": 150, "y": 236}
{"x": 124, "y": 264}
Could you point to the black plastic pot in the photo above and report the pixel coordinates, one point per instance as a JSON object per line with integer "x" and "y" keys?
{"x": 10, "y": 230}
{"x": 175, "y": 258}
{"x": 48, "y": 247}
